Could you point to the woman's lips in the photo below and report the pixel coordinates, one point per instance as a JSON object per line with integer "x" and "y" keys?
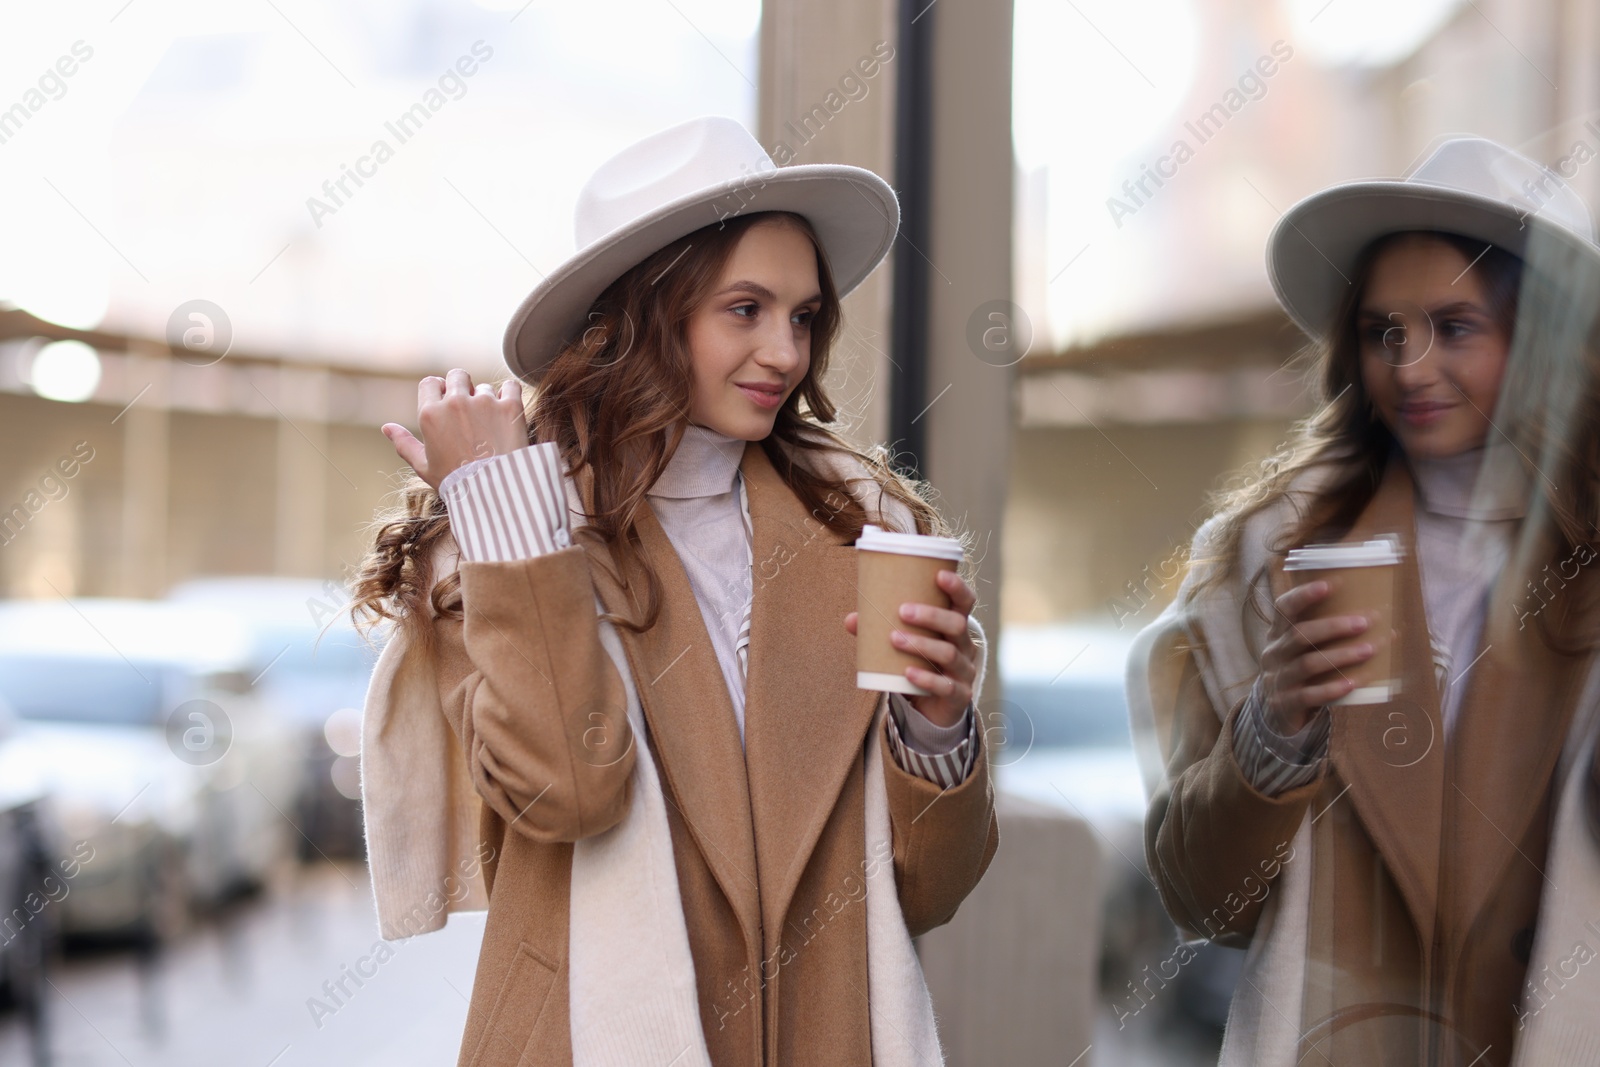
{"x": 1423, "y": 413}
{"x": 764, "y": 398}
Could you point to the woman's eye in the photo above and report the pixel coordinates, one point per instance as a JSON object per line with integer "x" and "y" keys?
{"x": 803, "y": 318}
{"x": 742, "y": 308}
{"x": 1454, "y": 328}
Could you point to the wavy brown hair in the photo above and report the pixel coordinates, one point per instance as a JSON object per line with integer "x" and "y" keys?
{"x": 615, "y": 400}
{"x": 1556, "y": 436}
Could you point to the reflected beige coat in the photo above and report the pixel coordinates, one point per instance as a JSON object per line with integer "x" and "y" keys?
{"x": 1390, "y": 906}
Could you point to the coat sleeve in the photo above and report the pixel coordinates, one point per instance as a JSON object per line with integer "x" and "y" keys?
{"x": 1213, "y": 842}
{"x": 534, "y": 698}
{"x": 944, "y": 838}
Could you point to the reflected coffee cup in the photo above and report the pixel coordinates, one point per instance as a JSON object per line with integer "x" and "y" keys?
{"x": 1361, "y": 581}
{"x": 894, "y": 569}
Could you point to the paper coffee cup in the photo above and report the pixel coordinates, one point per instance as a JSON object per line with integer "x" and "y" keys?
{"x": 894, "y": 569}
{"x": 1361, "y": 581}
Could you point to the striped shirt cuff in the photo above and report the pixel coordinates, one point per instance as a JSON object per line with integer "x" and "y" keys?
{"x": 1271, "y": 762}
{"x": 508, "y": 507}
{"x": 928, "y": 751}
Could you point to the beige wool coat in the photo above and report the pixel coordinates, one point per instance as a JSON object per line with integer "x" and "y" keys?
{"x": 767, "y": 838}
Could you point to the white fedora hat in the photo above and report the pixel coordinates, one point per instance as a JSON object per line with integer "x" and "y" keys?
{"x": 672, "y": 183}
{"x": 1468, "y": 185}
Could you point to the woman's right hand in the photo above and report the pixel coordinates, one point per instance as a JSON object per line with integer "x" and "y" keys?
{"x": 459, "y": 424}
{"x": 1297, "y": 660}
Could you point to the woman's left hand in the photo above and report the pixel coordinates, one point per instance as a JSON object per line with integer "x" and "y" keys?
{"x": 953, "y": 655}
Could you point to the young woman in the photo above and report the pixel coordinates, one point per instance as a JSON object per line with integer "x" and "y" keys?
{"x": 699, "y": 842}
{"x": 1390, "y": 864}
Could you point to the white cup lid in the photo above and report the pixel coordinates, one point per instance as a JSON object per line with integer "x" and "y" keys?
{"x": 877, "y": 539}
{"x": 1378, "y": 552}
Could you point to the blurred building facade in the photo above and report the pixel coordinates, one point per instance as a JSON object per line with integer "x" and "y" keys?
{"x": 252, "y": 464}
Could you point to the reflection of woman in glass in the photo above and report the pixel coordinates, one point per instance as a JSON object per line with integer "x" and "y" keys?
{"x": 1388, "y": 863}
{"x": 706, "y": 845}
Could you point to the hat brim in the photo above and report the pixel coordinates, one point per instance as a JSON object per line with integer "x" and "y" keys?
{"x": 1312, "y": 251}
{"x": 854, "y": 212}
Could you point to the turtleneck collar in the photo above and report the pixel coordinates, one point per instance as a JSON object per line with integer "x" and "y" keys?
{"x": 1446, "y": 486}
{"x": 705, "y": 464}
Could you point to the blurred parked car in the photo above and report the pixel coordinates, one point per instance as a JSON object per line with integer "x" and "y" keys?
{"x": 166, "y": 777}
{"x": 309, "y": 660}
{"x": 29, "y": 886}
{"x": 1068, "y": 744}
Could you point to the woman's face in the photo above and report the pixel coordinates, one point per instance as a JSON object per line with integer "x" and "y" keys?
{"x": 750, "y": 340}
{"x": 1432, "y": 354}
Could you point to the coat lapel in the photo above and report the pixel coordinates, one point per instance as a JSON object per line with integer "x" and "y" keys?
{"x": 805, "y": 720}
{"x": 692, "y": 727}
{"x": 1392, "y": 756}
{"x": 1509, "y": 734}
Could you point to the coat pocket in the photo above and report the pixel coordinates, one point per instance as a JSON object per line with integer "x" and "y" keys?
{"x": 517, "y": 1006}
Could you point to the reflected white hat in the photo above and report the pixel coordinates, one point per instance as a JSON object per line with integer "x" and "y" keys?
{"x": 1468, "y": 185}
{"x": 674, "y": 182}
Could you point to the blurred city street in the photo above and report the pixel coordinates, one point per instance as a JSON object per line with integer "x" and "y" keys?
{"x": 250, "y": 981}
{"x": 246, "y": 988}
